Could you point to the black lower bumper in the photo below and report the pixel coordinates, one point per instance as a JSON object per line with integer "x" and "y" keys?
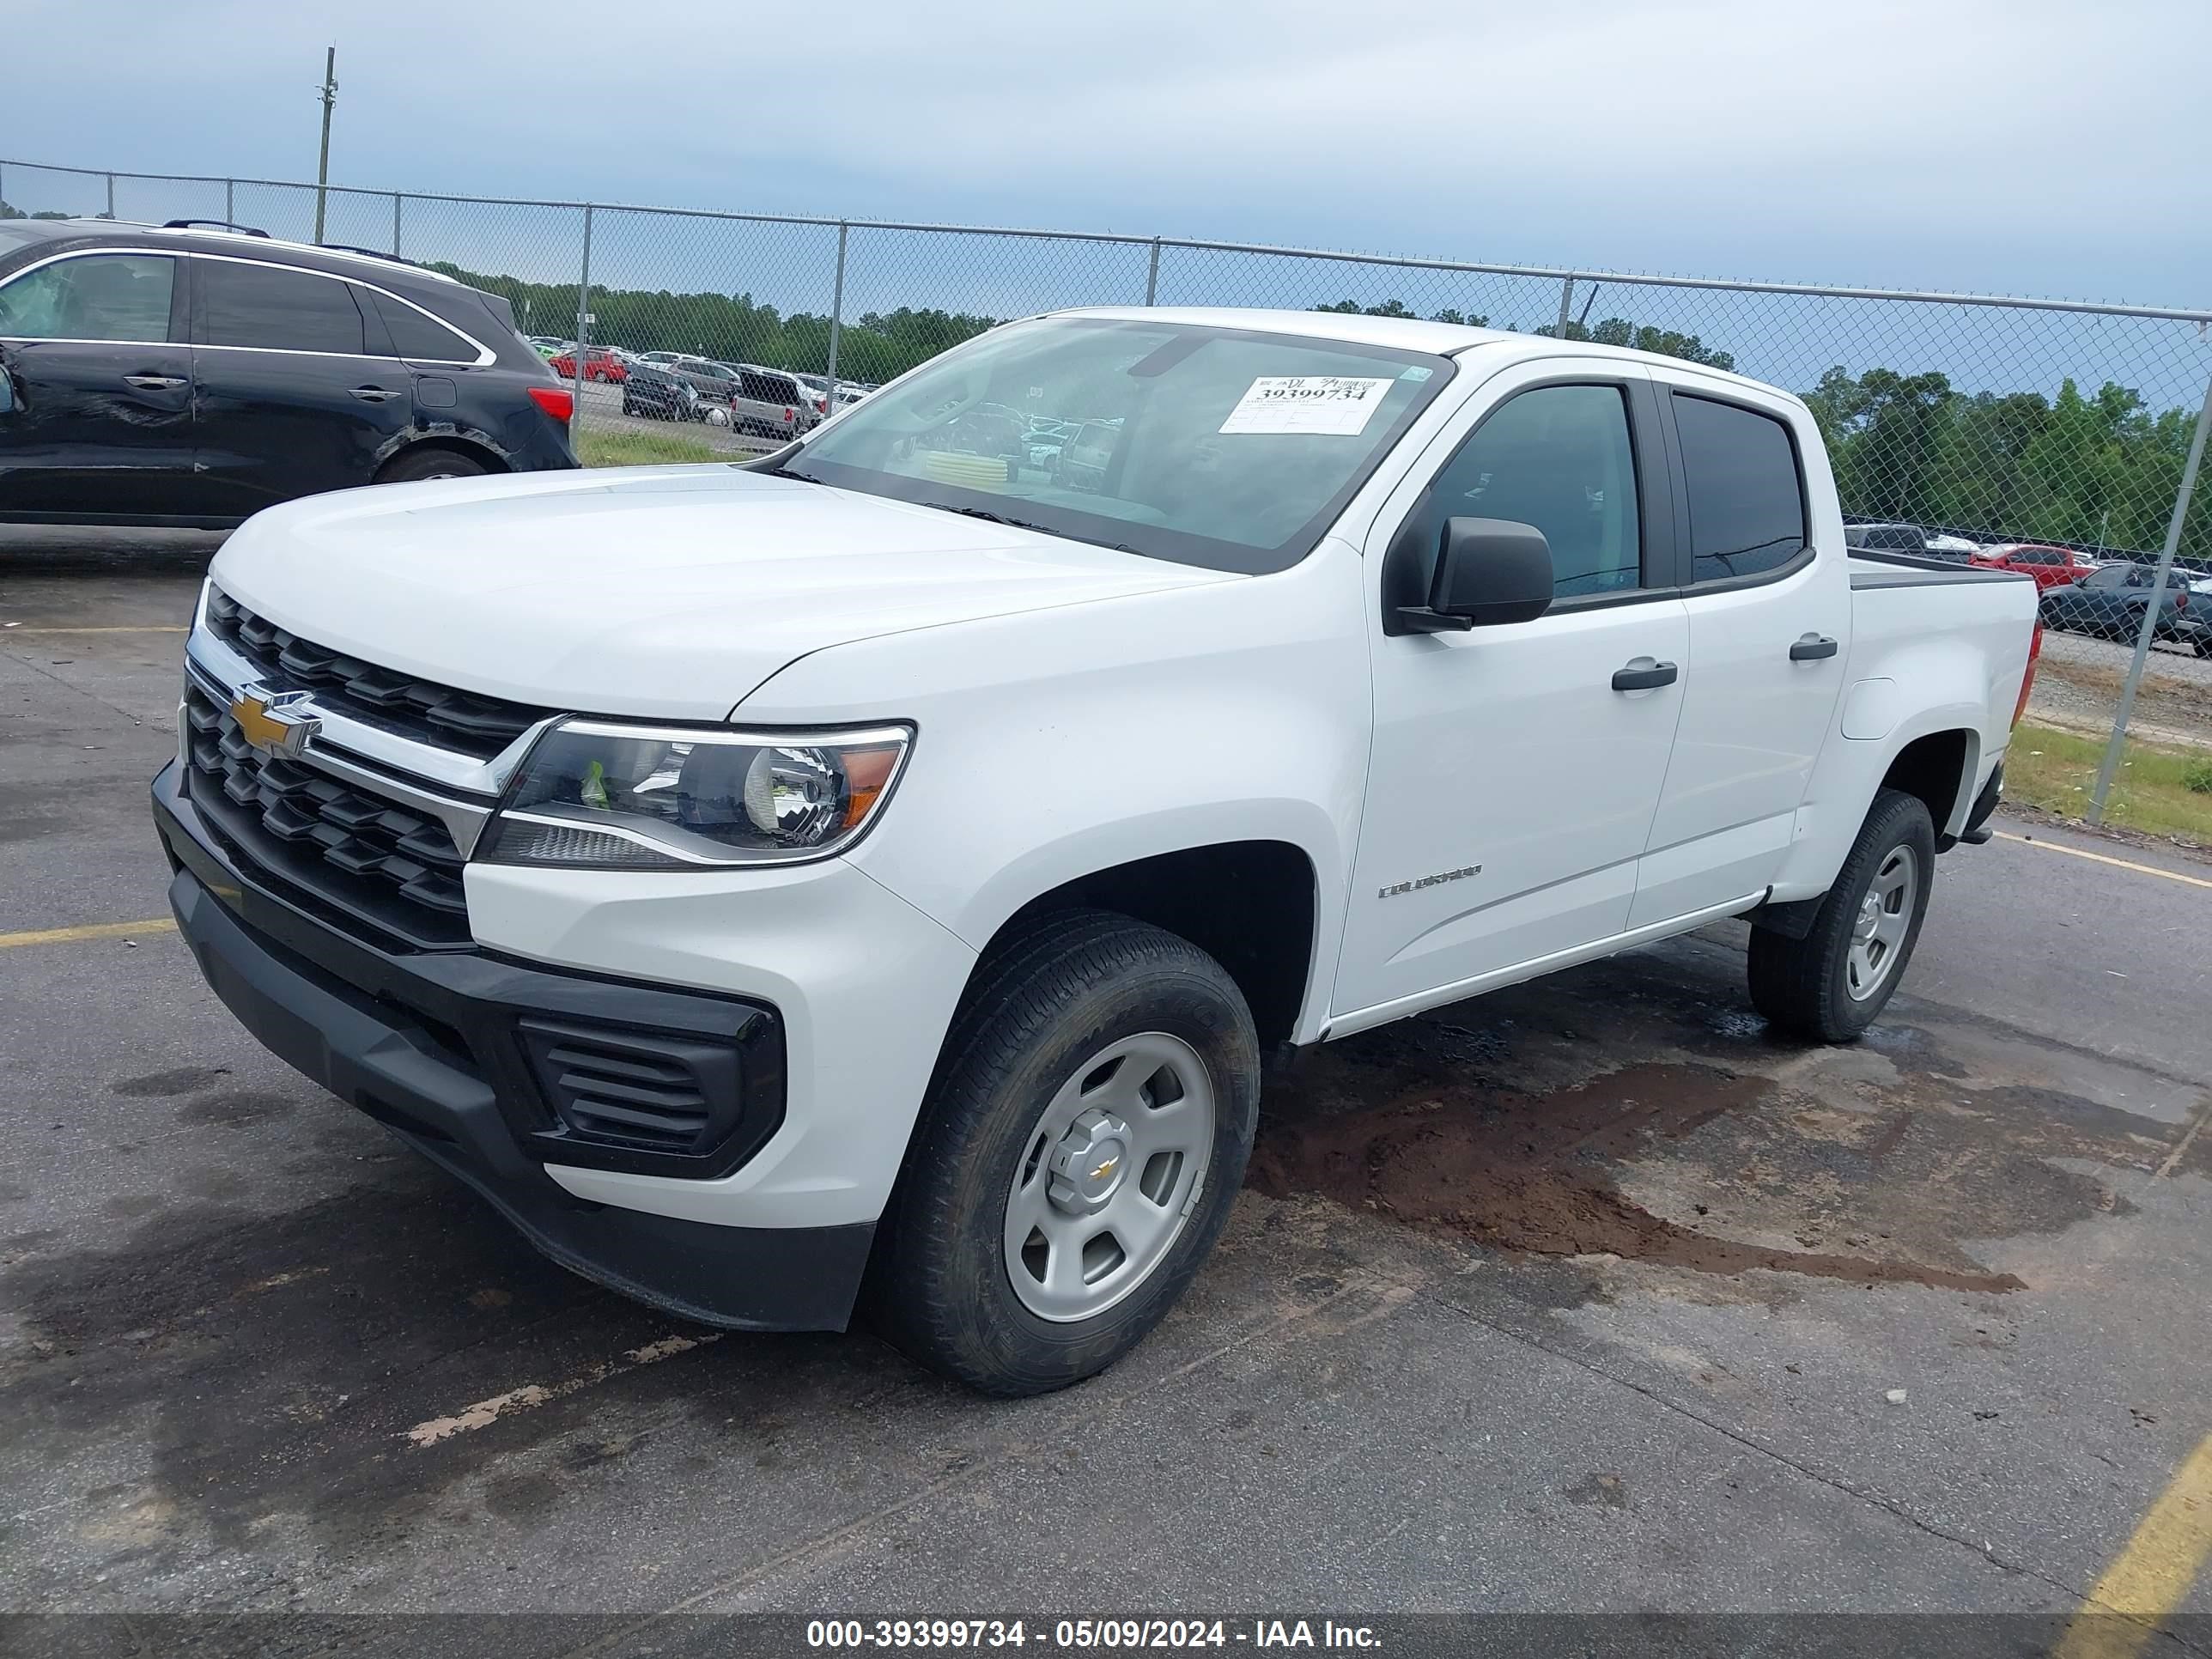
{"x": 351, "y": 1018}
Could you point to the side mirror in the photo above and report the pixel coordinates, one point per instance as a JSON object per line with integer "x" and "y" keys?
{"x": 7, "y": 388}
{"x": 1488, "y": 571}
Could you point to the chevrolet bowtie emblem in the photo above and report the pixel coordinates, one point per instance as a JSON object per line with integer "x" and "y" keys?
{"x": 1104, "y": 1169}
{"x": 274, "y": 722}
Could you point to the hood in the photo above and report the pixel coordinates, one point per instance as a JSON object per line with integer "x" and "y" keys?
{"x": 666, "y": 592}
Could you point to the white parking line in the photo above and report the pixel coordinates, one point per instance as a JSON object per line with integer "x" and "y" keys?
{"x": 2102, "y": 857}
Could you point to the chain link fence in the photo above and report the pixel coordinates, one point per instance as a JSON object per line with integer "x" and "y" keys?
{"x": 2060, "y": 430}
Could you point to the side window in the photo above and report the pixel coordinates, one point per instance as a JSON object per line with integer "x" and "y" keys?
{"x": 1746, "y": 506}
{"x": 101, "y": 296}
{"x": 414, "y": 334}
{"x": 1559, "y": 458}
{"x": 276, "y": 310}
{"x": 2110, "y": 576}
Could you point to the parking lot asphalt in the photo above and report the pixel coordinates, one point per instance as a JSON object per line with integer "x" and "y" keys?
{"x": 1585, "y": 1297}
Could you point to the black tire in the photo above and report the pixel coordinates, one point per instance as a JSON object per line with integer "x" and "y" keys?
{"x": 2203, "y": 645}
{"x": 413, "y": 465}
{"x": 1041, "y": 1006}
{"x": 1802, "y": 985}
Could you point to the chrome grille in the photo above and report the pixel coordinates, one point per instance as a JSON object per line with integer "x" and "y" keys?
{"x": 351, "y": 849}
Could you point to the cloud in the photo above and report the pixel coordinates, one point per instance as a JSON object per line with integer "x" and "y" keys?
{"x": 2029, "y": 146}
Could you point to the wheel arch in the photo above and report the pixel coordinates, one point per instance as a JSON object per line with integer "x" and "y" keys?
{"x": 1939, "y": 768}
{"x": 1253, "y": 905}
{"x": 477, "y": 446}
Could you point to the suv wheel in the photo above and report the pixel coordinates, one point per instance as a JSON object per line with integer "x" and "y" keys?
{"x": 414, "y": 465}
{"x": 1081, "y": 1144}
{"x": 1831, "y": 984}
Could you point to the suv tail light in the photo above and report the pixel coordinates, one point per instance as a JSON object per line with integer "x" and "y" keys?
{"x": 555, "y": 400}
{"x": 789, "y": 414}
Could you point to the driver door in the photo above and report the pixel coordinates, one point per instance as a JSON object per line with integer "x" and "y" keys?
{"x": 1512, "y": 785}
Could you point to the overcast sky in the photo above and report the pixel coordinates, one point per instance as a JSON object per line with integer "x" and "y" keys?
{"x": 1996, "y": 145}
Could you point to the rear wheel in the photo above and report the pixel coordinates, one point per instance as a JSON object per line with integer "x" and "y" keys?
{"x": 1079, "y": 1150}
{"x": 1831, "y": 984}
{"x": 415, "y": 465}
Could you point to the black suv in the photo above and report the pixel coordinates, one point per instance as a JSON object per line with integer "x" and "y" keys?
{"x": 184, "y": 375}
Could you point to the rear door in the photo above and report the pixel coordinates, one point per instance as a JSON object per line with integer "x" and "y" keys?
{"x": 298, "y": 388}
{"x": 93, "y": 345}
{"x": 1769, "y": 620}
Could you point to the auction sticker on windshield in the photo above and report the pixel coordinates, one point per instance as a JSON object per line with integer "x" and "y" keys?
{"x": 1337, "y": 404}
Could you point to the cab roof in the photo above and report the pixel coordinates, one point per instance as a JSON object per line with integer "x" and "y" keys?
{"x": 1396, "y": 333}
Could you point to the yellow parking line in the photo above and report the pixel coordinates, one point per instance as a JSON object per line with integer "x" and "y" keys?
{"x": 96, "y": 930}
{"x": 2149, "y": 1578}
{"x": 151, "y": 627}
{"x": 2104, "y": 858}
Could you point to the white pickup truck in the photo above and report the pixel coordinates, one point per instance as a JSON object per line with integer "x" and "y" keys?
{"x": 883, "y": 864}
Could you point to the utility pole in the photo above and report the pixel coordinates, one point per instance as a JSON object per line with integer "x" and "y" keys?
{"x": 330, "y": 97}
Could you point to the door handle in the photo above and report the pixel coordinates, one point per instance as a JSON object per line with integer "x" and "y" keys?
{"x": 1644, "y": 678}
{"x": 374, "y": 394}
{"x": 1811, "y": 648}
{"x": 154, "y": 382}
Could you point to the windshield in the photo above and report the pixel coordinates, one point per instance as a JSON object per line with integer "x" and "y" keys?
{"x": 1212, "y": 446}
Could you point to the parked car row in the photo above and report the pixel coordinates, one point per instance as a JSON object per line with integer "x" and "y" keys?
{"x": 2111, "y": 601}
{"x": 2078, "y": 593}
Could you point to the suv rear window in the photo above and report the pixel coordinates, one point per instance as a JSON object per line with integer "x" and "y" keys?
{"x": 276, "y": 310}
{"x": 1747, "y": 506}
{"x": 414, "y": 334}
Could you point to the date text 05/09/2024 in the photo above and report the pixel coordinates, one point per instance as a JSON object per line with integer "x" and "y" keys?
{"x": 1087, "y": 1634}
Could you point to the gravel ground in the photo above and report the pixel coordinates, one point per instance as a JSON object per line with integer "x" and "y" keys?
{"x": 2077, "y": 686}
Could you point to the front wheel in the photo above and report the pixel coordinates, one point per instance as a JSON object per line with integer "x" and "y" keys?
{"x": 1831, "y": 984}
{"x": 1080, "y": 1147}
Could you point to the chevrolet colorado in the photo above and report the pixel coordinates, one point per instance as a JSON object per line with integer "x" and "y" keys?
{"x": 883, "y": 864}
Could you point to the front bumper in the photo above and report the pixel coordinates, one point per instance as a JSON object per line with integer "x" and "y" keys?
{"x": 423, "y": 1043}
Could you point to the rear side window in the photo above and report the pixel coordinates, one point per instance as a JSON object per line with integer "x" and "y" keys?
{"x": 414, "y": 334}
{"x": 277, "y": 310}
{"x": 101, "y": 296}
{"x": 1747, "y": 506}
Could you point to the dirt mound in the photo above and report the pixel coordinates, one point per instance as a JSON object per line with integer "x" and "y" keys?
{"x": 1530, "y": 1172}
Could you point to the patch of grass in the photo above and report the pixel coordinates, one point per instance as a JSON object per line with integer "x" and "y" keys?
{"x": 2157, "y": 790}
{"x": 600, "y": 448}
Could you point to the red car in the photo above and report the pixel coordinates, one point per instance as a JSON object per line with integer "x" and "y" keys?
{"x": 599, "y": 364}
{"x": 2051, "y": 567}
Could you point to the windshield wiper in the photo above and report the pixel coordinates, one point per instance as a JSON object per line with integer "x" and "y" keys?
{"x": 788, "y": 472}
{"x": 989, "y": 517}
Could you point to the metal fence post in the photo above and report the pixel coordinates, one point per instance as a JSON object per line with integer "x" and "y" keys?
{"x": 111, "y": 196}
{"x": 229, "y": 207}
{"x": 836, "y": 319}
{"x": 1566, "y": 306}
{"x": 396, "y": 200}
{"x": 2096, "y": 812}
{"x": 1152, "y": 276}
{"x": 583, "y": 312}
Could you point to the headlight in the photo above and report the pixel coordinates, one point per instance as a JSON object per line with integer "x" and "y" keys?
{"x": 609, "y": 796}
